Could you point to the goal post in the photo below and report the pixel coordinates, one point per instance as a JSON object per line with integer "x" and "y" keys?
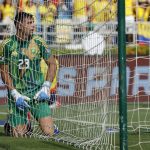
{"x": 88, "y": 116}
{"x": 122, "y": 75}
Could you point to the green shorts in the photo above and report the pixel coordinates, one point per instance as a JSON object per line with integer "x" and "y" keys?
{"x": 39, "y": 110}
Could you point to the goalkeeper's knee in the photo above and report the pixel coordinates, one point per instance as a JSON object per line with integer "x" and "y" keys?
{"x": 51, "y": 130}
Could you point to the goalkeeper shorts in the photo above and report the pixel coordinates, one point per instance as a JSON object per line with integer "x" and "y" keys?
{"x": 38, "y": 111}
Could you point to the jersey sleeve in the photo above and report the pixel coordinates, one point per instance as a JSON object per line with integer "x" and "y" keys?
{"x": 4, "y": 52}
{"x": 54, "y": 83}
{"x": 45, "y": 51}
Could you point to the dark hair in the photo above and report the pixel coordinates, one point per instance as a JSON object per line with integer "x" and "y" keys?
{"x": 20, "y": 16}
{"x": 5, "y": 2}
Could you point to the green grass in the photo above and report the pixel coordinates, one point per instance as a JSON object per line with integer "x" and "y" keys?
{"x": 137, "y": 139}
{"x": 4, "y": 109}
{"x": 11, "y": 143}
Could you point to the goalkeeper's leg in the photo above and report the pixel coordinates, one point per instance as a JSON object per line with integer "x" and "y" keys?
{"x": 18, "y": 131}
{"x": 18, "y": 123}
{"x": 43, "y": 114}
{"x": 47, "y": 125}
{"x": 7, "y": 128}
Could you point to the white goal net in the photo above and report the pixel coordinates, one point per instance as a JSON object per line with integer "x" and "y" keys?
{"x": 83, "y": 41}
{"x": 82, "y": 35}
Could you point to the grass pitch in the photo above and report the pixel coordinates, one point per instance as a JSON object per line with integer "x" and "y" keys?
{"x": 11, "y": 143}
{"x": 138, "y": 138}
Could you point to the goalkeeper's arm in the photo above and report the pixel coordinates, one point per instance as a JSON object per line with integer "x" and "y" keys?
{"x": 52, "y": 67}
{"x": 5, "y": 77}
{"x": 44, "y": 93}
{"x": 19, "y": 98}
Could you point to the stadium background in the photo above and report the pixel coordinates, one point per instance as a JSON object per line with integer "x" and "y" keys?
{"x": 137, "y": 13}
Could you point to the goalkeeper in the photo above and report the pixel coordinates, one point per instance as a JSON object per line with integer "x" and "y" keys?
{"x": 20, "y": 71}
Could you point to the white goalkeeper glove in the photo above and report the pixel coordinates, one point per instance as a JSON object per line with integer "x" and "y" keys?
{"x": 44, "y": 93}
{"x": 20, "y": 100}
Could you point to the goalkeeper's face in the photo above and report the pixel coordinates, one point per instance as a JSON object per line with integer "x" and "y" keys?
{"x": 28, "y": 26}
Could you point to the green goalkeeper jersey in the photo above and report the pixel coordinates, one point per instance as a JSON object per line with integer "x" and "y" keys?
{"x": 23, "y": 59}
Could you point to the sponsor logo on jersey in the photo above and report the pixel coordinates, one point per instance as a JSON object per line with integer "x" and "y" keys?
{"x": 14, "y": 49}
{"x": 32, "y": 51}
{"x": 14, "y": 53}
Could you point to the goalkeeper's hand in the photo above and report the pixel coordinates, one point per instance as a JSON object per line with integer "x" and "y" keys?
{"x": 20, "y": 100}
{"x": 44, "y": 93}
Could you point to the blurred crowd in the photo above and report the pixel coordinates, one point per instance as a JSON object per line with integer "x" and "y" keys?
{"x": 83, "y": 14}
{"x": 81, "y": 11}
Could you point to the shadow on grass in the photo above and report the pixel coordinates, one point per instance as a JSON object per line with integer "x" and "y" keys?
{"x": 10, "y": 143}
{"x": 4, "y": 146}
{"x": 2, "y": 134}
{"x": 61, "y": 145}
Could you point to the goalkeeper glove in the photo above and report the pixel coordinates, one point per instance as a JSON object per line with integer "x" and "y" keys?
{"x": 20, "y": 100}
{"x": 44, "y": 93}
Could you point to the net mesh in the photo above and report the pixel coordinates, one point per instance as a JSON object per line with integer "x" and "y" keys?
{"x": 82, "y": 35}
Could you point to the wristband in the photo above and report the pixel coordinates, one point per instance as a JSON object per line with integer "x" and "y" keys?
{"x": 13, "y": 92}
{"x": 47, "y": 84}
